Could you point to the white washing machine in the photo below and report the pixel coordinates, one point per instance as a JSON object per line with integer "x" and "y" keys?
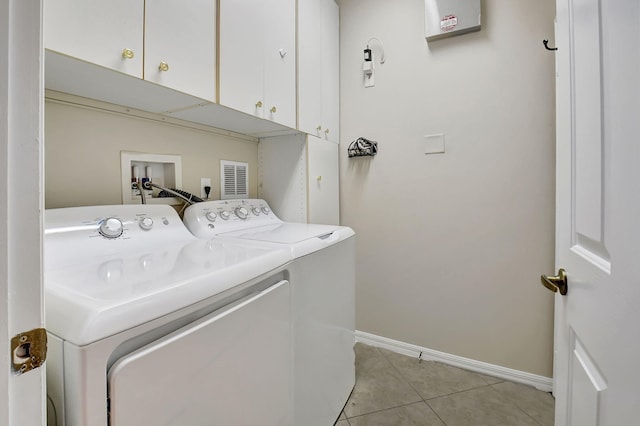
{"x": 149, "y": 325}
{"x": 322, "y": 276}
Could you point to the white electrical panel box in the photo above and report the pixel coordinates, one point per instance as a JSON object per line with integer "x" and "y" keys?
{"x": 447, "y": 18}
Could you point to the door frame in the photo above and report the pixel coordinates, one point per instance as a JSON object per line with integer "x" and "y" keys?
{"x": 22, "y": 396}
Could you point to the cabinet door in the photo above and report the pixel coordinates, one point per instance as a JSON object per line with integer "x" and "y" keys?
{"x": 279, "y": 52}
{"x": 97, "y": 31}
{"x": 330, "y": 70}
{"x": 241, "y": 56}
{"x": 310, "y": 67}
{"x": 318, "y": 69}
{"x": 181, "y": 35}
{"x": 322, "y": 171}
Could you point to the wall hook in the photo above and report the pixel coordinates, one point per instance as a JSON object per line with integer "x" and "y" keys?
{"x": 546, "y": 45}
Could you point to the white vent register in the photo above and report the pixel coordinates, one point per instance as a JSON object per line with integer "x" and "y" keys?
{"x": 234, "y": 180}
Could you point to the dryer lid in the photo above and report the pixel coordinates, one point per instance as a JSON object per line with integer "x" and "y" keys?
{"x": 284, "y": 233}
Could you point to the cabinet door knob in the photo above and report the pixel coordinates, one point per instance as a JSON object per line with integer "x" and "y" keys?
{"x": 163, "y": 66}
{"x": 273, "y": 109}
{"x": 326, "y": 131}
{"x": 283, "y": 53}
{"x": 127, "y": 53}
{"x": 319, "y": 128}
{"x": 259, "y": 104}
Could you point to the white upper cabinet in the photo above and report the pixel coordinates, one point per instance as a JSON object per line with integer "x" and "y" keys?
{"x": 331, "y": 70}
{"x": 166, "y": 42}
{"x": 107, "y": 33}
{"x": 258, "y": 58}
{"x": 318, "y": 68}
{"x": 180, "y": 45}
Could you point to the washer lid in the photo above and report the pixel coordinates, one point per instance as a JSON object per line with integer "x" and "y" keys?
{"x": 88, "y": 301}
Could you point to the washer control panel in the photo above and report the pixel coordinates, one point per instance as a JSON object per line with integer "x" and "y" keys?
{"x": 74, "y": 234}
{"x": 125, "y": 226}
{"x": 117, "y": 222}
{"x": 210, "y": 218}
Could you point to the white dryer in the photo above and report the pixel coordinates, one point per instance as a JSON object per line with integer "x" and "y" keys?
{"x": 322, "y": 276}
{"x": 149, "y": 325}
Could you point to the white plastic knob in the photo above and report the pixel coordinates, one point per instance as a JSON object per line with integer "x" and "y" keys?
{"x": 146, "y": 223}
{"x": 111, "y": 227}
{"x": 241, "y": 212}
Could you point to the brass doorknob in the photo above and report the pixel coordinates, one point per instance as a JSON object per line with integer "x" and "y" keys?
{"x": 163, "y": 66}
{"x": 259, "y": 104}
{"x": 273, "y": 110}
{"x": 557, "y": 283}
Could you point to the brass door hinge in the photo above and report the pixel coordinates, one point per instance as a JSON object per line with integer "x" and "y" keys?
{"x": 29, "y": 350}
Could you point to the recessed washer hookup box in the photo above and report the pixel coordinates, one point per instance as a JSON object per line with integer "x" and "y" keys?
{"x": 447, "y": 18}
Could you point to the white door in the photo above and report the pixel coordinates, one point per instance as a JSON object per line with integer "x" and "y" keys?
{"x": 597, "y": 322}
{"x": 22, "y": 396}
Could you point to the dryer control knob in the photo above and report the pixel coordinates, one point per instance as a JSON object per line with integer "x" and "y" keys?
{"x": 146, "y": 223}
{"x": 225, "y": 214}
{"x": 241, "y": 212}
{"x": 265, "y": 210}
{"x": 211, "y": 216}
{"x": 111, "y": 227}
{"x": 256, "y": 210}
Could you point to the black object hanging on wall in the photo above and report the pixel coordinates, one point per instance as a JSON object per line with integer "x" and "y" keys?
{"x": 362, "y": 147}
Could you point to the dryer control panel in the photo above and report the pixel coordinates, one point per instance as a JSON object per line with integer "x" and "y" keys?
{"x": 211, "y": 218}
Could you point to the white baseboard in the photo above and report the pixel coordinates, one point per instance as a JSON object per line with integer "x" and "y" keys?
{"x": 539, "y": 382}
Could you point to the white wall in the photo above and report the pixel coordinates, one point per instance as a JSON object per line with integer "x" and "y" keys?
{"x": 450, "y": 247}
{"x": 83, "y": 145}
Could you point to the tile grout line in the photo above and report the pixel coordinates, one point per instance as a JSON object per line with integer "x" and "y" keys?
{"x": 407, "y": 382}
{"x": 444, "y": 395}
{"x": 387, "y": 409}
{"x": 516, "y": 405}
{"x": 412, "y": 387}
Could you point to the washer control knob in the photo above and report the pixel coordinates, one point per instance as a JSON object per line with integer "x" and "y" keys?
{"x": 225, "y": 214}
{"x": 256, "y": 210}
{"x": 111, "y": 227}
{"x": 211, "y": 216}
{"x": 241, "y": 212}
{"x": 265, "y": 210}
{"x": 146, "y": 223}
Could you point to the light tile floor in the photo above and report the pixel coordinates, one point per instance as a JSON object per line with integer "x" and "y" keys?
{"x": 397, "y": 390}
